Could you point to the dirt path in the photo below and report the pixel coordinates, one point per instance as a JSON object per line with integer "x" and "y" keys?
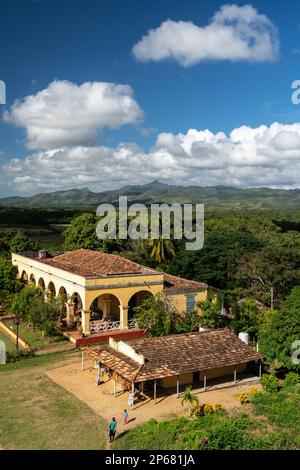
{"x": 101, "y": 400}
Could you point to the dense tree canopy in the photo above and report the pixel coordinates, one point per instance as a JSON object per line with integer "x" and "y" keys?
{"x": 8, "y": 279}
{"x": 282, "y": 332}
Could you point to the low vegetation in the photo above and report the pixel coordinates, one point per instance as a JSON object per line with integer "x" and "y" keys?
{"x": 215, "y": 429}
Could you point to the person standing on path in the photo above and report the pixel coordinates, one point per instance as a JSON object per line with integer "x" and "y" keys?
{"x": 112, "y": 429}
{"x": 125, "y": 417}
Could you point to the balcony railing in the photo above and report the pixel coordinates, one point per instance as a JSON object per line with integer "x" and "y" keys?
{"x": 132, "y": 324}
{"x": 105, "y": 326}
{"x": 97, "y": 327}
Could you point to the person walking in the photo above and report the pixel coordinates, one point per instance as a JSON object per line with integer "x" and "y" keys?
{"x": 125, "y": 417}
{"x": 112, "y": 429}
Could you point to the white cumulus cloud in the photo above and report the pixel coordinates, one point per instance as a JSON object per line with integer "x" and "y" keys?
{"x": 66, "y": 114}
{"x": 247, "y": 157}
{"x": 234, "y": 33}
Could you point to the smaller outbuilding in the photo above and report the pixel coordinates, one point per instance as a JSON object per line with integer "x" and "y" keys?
{"x": 172, "y": 361}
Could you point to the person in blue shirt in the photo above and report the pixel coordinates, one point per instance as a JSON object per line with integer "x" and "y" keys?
{"x": 112, "y": 429}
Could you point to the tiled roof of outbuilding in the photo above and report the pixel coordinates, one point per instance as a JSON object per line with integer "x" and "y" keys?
{"x": 168, "y": 356}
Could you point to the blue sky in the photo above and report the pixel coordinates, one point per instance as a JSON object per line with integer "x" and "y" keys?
{"x": 92, "y": 41}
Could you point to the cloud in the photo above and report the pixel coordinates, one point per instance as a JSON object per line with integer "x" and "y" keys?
{"x": 247, "y": 157}
{"x": 66, "y": 114}
{"x": 234, "y": 33}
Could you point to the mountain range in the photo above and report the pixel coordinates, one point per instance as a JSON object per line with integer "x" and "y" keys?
{"x": 223, "y": 197}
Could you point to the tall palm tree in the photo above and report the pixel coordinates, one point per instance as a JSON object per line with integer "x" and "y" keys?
{"x": 190, "y": 398}
{"x": 162, "y": 249}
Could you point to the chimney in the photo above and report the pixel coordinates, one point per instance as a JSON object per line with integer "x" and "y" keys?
{"x": 43, "y": 254}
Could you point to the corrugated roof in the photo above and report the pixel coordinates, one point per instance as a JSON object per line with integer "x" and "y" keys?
{"x": 177, "y": 354}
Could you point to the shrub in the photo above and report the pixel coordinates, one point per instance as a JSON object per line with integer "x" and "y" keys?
{"x": 208, "y": 409}
{"x": 14, "y": 356}
{"x": 253, "y": 391}
{"x": 269, "y": 383}
{"x": 218, "y": 407}
{"x": 291, "y": 379}
{"x": 243, "y": 398}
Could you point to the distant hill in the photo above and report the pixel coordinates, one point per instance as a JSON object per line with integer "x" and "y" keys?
{"x": 212, "y": 196}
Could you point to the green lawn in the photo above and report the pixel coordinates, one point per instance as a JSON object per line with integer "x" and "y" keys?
{"x": 275, "y": 425}
{"x": 35, "y": 413}
{"x": 35, "y": 337}
{"x": 10, "y": 345}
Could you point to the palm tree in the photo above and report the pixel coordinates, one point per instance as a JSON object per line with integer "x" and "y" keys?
{"x": 189, "y": 398}
{"x": 161, "y": 249}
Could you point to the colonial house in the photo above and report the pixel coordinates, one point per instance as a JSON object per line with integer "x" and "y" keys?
{"x": 100, "y": 289}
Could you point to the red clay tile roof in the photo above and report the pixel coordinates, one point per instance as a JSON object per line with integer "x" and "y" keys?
{"x": 174, "y": 355}
{"x": 176, "y": 282}
{"x": 89, "y": 263}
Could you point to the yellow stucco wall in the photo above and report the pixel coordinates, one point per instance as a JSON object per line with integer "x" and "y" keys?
{"x": 185, "y": 379}
{"x": 179, "y": 300}
{"x": 170, "y": 382}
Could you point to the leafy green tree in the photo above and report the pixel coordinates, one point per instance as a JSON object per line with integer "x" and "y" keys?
{"x": 20, "y": 243}
{"x": 246, "y": 318}
{"x": 217, "y": 262}
{"x": 273, "y": 266}
{"x": 8, "y": 279}
{"x": 210, "y": 316}
{"x": 276, "y": 342}
{"x": 29, "y": 304}
{"x": 158, "y": 315}
{"x": 81, "y": 233}
{"x": 189, "y": 322}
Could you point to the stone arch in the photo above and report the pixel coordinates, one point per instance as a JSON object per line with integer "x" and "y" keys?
{"x": 41, "y": 283}
{"x": 51, "y": 291}
{"x": 24, "y": 277}
{"x": 106, "y": 307}
{"x": 78, "y": 304}
{"x": 62, "y": 293}
{"x": 32, "y": 279}
{"x": 135, "y": 300}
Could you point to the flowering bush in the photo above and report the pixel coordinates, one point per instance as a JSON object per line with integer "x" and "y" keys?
{"x": 208, "y": 409}
{"x": 243, "y": 398}
{"x": 253, "y": 391}
{"x": 269, "y": 382}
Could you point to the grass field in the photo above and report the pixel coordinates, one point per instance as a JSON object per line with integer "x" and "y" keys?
{"x": 35, "y": 413}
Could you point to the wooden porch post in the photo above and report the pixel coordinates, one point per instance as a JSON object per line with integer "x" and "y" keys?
{"x": 132, "y": 392}
{"x": 142, "y": 387}
{"x": 204, "y": 382}
{"x": 177, "y": 386}
{"x": 155, "y": 392}
{"x": 234, "y": 376}
{"x": 259, "y": 369}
